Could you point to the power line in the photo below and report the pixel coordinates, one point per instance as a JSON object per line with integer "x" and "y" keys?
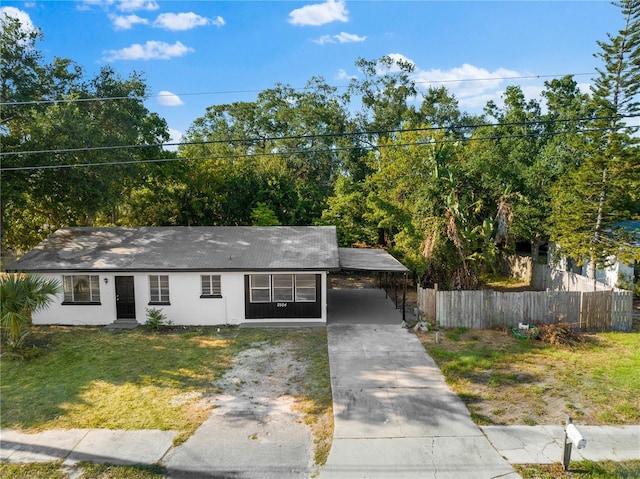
{"x": 310, "y": 137}
{"x": 232, "y": 156}
{"x": 228, "y": 92}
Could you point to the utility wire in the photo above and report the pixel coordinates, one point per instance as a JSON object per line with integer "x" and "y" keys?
{"x": 232, "y": 156}
{"x": 311, "y": 137}
{"x": 228, "y": 92}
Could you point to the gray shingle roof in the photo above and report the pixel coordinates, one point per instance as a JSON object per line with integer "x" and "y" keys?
{"x": 364, "y": 259}
{"x": 185, "y": 248}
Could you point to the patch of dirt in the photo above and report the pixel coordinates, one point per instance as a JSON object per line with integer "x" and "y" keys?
{"x": 258, "y": 403}
{"x": 264, "y": 373}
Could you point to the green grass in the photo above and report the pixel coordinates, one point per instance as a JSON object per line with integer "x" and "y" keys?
{"x": 54, "y": 470}
{"x": 596, "y": 382}
{"x": 35, "y": 470}
{"x": 581, "y": 470}
{"x": 317, "y": 400}
{"x": 92, "y": 378}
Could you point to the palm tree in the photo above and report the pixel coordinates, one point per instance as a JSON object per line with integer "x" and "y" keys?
{"x": 20, "y": 296}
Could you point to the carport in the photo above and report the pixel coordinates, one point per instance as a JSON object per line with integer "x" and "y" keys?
{"x": 376, "y": 261}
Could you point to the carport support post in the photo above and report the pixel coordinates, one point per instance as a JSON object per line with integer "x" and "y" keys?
{"x": 395, "y": 289}
{"x": 404, "y": 298}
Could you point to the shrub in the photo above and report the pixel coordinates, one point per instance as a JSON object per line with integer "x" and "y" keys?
{"x": 156, "y": 319}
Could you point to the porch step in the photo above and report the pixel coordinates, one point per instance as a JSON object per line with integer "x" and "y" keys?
{"x": 123, "y": 324}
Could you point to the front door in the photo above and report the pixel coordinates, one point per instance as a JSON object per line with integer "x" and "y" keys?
{"x": 125, "y": 297}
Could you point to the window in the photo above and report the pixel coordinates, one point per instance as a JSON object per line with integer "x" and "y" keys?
{"x": 260, "y": 287}
{"x": 81, "y": 289}
{"x": 305, "y": 288}
{"x": 158, "y": 289}
{"x": 282, "y": 287}
{"x": 211, "y": 286}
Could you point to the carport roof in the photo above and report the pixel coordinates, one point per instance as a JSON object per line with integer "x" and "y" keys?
{"x": 363, "y": 259}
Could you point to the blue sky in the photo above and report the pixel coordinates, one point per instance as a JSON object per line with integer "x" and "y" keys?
{"x": 199, "y": 53}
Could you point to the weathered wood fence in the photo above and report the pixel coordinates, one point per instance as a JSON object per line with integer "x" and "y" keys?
{"x": 484, "y": 309}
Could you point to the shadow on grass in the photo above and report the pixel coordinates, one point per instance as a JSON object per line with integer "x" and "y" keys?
{"x": 88, "y": 377}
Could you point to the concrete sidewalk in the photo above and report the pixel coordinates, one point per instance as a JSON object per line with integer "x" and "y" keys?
{"x": 544, "y": 444}
{"x": 517, "y": 444}
{"x": 92, "y": 445}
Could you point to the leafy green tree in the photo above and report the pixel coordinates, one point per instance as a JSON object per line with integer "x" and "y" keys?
{"x": 347, "y": 211}
{"x": 262, "y": 215}
{"x": 500, "y": 159}
{"x": 53, "y": 109}
{"x": 21, "y": 295}
{"x": 283, "y": 150}
{"x": 602, "y": 190}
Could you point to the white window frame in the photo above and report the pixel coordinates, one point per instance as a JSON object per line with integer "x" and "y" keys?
{"x": 282, "y": 288}
{"x": 211, "y": 286}
{"x": 278, "y": 292}
{"x": 299, "y": 289}
{"x": 158, "y": 294}
{"x": 70, "y": 283}
{"x": 254, "y": 289}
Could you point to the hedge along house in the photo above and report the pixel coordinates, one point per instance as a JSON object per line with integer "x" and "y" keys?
{"x": 196, "y": 275}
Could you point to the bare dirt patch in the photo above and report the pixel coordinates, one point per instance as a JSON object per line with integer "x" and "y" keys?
{"x": 267, "y": 391}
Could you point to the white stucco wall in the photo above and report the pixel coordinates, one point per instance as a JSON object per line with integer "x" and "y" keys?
{"x": 186, "y": 308}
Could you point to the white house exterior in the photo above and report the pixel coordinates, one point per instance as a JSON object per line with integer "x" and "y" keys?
{"x": 195, "y": 275}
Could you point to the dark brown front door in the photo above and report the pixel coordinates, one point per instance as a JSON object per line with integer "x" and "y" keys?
{"x": 125, "y": 297}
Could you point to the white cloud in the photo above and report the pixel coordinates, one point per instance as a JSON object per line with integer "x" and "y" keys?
{"x": 472, "y": 86}
{"x": 87, "y": 4}
{"x": 342, "y": 37}
{"x": 166, "y": 98}
{"x": 127, "y": 22}
{"x": 183, "y": 21}
{"x": 151, "y": 50}
{"x": 22, "y": 16}
{"x": 219, "y": 21}
{"x": 466, "y": 80}
{"x": 393, "y": 68}
{"x": 134, "y": 5}
{"x": 343, "y": 75}
{"x": 175, "y": 137}
{"x": 319, "y": 14}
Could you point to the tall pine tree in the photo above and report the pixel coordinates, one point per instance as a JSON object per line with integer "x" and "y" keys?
{"x": 602, "y": 190}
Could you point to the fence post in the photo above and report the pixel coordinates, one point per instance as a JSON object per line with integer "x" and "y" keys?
{"x": 435, "y": 304}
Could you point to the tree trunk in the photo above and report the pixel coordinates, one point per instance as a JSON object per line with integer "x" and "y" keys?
{"x": 597, "y": 234}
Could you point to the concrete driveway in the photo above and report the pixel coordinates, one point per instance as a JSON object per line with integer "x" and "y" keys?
{"x": 395, "y": 417}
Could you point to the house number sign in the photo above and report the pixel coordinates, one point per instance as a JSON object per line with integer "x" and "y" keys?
{"x": 281, "y": 305}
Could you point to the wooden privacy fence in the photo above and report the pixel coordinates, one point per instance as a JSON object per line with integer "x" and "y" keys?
{"x": 484, "y": 309}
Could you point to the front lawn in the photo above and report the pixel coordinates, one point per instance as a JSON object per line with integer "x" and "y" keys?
{"x": 504, "y": 380}
{"x": 80, "y": 377}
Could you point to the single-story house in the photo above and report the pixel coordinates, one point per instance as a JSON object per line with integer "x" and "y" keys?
{"x": 209, "y": 275}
